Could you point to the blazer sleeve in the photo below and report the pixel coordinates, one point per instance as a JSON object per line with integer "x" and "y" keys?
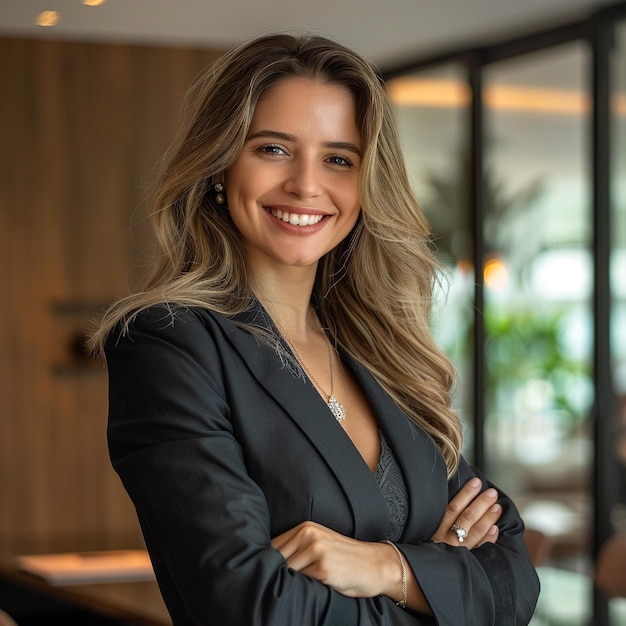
{"x": 493, "y": 584}
{"x": 204, "y": 520}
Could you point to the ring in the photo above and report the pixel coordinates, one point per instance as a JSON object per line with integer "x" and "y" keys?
{"x": 461, "y": 533}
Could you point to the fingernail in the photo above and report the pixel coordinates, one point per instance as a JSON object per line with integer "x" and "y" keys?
{"x": 491, "y": 493}
{"x": 496, "y": 508}
{"x": 493, "y": 531}
{"x": 476, "y": 482}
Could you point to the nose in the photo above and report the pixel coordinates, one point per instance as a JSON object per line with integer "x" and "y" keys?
{"x": 304, "y": 178}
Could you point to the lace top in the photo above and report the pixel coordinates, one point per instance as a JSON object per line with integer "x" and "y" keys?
{"x": 391, "y": 482}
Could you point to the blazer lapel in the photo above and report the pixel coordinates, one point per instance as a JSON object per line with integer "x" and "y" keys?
{"x": 420, "y": 459}
{"x": 304, "y": 405}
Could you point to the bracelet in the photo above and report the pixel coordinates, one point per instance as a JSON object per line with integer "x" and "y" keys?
{"x": 401, "y": 603}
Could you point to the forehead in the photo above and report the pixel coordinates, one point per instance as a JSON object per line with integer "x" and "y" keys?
{"x": 307, "y": 104}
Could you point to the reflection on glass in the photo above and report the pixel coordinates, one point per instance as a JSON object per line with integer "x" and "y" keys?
{"x": 431, "y": 110}
{"x": 538, "y": 317}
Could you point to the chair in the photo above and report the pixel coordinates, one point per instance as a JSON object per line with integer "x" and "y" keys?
{"x": 6, "y": 619}
{"x": 539, "y": 546}
{"x": 610, "y": 567}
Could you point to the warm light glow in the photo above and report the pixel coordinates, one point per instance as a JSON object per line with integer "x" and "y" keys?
{"x": 618, "y": 104}
{"x": 536, "y": 99}
{"x": 48, "y": 18}
{"x": 445, "y": 93}
{"x": 93, "y": 3}
{"x": 428, "y": 92}
{"x": 496, "y": 275}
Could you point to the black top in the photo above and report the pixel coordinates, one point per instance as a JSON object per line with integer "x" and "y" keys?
{"x": 391, "y": 482}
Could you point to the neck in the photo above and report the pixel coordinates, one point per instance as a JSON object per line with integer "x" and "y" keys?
{"x": 286, "y": 296}
{"x": 297, "y": 322}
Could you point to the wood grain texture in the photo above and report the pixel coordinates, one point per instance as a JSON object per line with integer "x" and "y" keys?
{"x": 83, "y": 126}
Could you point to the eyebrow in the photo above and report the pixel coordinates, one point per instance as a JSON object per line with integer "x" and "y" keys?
{"x": 276, "y": 134}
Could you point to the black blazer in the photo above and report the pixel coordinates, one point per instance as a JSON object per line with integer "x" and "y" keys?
{"x": 222, "y": 448}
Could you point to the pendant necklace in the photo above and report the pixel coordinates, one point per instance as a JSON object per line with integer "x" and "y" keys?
{"x": 336, "y": 408}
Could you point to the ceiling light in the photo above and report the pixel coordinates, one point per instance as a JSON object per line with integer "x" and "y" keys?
{"x": 414, "y": 91}
{"x": 93, "y": 3}
{"x": 47, "y": 18}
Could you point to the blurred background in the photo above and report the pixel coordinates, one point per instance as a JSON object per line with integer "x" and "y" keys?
{"x": 513, "y": 120}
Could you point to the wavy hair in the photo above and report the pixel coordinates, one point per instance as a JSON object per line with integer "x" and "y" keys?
{"x": 373, "y": 291}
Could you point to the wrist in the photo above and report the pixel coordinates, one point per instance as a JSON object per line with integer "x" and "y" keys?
{"x": 398, "y": 575}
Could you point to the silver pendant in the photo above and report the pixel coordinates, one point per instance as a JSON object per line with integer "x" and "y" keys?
{"x": 336, "y": 408}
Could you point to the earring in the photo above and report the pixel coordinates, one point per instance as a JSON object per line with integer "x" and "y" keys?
{"x": 216, "y": 188}
{"x": 220, "y": 198}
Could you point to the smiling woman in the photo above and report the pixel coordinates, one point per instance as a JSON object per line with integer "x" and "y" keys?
{"x": 279, "y": 412}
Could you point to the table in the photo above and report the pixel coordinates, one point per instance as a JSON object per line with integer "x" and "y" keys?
{"x": 31, "y": 600}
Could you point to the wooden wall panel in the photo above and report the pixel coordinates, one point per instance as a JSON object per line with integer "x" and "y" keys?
{"x": 82, "y": 128}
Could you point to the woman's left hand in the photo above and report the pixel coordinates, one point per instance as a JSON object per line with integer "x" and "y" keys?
{"x": 472, "y": 510}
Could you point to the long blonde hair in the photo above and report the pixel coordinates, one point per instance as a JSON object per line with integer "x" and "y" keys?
{"x": 373, "y": 291}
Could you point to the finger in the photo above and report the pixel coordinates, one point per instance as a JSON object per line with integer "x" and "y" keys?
{"x": 485, "y": 529}
{"x": 466, "y": 495}
{"x": 490, "y": 537}
{"x": 475, "y": 521}
{"x": 479, "y": 507}
{"x": 461, "y": 500}
{"x": 301, "y": 545}
{"x": 281, "y": 540}
{"x": 478, "y": 511}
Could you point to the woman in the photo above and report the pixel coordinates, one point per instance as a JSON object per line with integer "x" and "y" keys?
{"x": 279, "y": 412}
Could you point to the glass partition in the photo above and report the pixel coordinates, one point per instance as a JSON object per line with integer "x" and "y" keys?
{"x": 541, "y": 440}
{"x": 431, "y": 109}
{"x": 538, "y": 309}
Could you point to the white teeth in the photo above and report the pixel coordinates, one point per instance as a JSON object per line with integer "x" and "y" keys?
{"x": 296, "y": 219}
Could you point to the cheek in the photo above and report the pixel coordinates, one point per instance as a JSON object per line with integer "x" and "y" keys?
{"x": 347, "y": 198}
{"x": 238, "y": 216}
{"x": 354, "y": 203}
{"x": 245, "y": 187}
{"x": 237, "y": 193}
{"x": 354, "y": 217}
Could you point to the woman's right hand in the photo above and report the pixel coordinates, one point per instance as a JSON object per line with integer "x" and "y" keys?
{"x": 474, "y": 511}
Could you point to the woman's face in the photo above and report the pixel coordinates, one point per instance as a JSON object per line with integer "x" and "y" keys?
{"x": 293, "y": 190}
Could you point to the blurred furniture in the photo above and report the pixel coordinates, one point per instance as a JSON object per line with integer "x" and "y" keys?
{"x": 610, "y": 568}
{"x": 567, "y": 596}
{"x": 539, "y": 545}
{"x": 562, "y": 516}
{"x": 30, "y": 599}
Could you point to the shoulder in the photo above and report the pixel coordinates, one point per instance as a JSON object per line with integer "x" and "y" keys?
{"x": 167, "y": 327}
{"x": 197, "y": 331}
{"x": 165, "y": 319}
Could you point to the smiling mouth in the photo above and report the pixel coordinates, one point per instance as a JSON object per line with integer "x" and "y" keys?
{"x": 296, "y": 219}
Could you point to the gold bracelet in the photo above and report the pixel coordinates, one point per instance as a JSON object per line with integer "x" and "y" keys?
{"x": 401, "y": 603}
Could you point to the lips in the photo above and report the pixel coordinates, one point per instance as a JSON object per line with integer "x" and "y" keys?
{"x": 296, "y": 219}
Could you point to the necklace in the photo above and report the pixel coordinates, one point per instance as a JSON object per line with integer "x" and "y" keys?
{"x": 336, "y": 408}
